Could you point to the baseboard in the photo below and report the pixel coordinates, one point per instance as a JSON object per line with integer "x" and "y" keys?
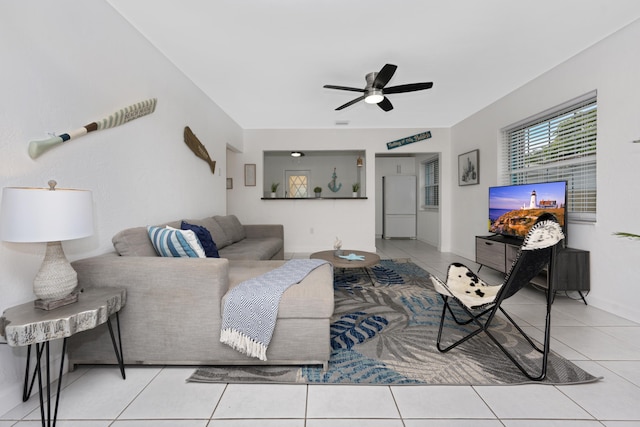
{"x": 626, "y": 312}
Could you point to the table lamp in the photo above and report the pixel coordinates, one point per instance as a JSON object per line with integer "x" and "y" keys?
{"x": 48, "y": 215}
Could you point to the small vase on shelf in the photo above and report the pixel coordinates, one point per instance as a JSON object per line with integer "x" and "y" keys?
{"x": 355, "y": 188}
{"x": 274, "y": 189}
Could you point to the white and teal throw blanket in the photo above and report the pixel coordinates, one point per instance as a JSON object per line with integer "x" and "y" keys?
{"x": 251, "y": 308}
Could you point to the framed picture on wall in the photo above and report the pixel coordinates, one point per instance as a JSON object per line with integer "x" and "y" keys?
{"x": 229, "y": 183}
{"x": 250, "y": 175}
{"x": 469, "y": 168}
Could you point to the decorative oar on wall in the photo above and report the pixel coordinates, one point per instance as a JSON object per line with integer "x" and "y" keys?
{"x": 198, "y": 149}
{"x": 120, "y": 117}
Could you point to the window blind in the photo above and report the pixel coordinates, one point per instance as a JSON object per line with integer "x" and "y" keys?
{"x": 558, "y": 145}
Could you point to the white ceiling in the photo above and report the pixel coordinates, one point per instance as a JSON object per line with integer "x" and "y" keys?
{"x": 264, "y": 62}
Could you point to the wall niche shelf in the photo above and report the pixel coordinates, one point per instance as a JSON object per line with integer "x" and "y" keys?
{"x": 314, "y": 198}
{"x": 335, "y": 171}
{"x": 572, "y": 265}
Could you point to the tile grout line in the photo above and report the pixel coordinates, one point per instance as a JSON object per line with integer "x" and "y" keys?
{"x": 138, "y": 394}
{"x": 395, "y": 402}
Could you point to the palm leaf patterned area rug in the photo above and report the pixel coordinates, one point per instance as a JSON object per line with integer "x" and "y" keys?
{"x": 386, "y": 335}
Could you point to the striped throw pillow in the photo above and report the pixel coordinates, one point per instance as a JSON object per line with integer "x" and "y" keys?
{"x": 170, "y": 242}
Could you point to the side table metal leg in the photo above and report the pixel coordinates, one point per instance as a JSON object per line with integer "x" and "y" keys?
{"x": 39, "y": 367}
{"x": 50, "y": 422}
{"x": 117, "y": 348}
{"x": 64, "y": 350}
{"x": 26, "y": 391}
{"x": 28, "y": 388}
{"x": 46, "y": 350}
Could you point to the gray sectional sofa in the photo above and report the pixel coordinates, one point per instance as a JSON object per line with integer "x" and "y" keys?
{"x": 174, "y": 305}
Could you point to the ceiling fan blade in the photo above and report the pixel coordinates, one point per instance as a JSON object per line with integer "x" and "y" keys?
{"x": 385, "y": 104}
{"x": 352, "y": 89}
{"x": 384, "y": 76}
{"x": 353, "y": 101}
{"x": 411, "y": 87}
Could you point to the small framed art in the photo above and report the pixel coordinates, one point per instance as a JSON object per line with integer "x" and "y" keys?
{"x": 250, "y": 175}
{"x": 469, "y": 168}
{"x": 229, "y": 183}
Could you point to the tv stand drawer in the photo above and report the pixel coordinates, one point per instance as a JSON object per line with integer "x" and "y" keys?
{"x": 571, "y": 271}
{"x": 491, "y": 253}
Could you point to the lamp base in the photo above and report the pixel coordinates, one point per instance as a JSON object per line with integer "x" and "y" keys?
{"x": 56, "y": 279}
{"x": 51, "y": 304}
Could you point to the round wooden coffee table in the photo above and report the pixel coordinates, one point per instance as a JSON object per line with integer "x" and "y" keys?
{"x": 370, "y": 259}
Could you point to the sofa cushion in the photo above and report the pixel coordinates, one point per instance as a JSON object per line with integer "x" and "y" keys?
{"x": 209, "y": 246}
{"x": 171, "y": 242}
{"x": 133, "y": 242}
{"x": 218, "y": 235}
{"x": 232, "y": 227}
{"x": 256, "y": 249}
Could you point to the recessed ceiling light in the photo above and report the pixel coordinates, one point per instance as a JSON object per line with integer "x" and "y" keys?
{"x": 297, "y": 154}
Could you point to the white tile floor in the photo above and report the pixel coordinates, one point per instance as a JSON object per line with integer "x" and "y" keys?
{"x": 600, "y": 342}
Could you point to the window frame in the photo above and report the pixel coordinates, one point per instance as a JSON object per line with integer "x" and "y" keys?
{"x": 297, "y": 173}
{"x": 529, "y": 156}
{"x": 430, "y": 171}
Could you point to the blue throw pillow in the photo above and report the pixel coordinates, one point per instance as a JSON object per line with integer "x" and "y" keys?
{"x": 209, "y": 246}
{"x": 170, "y": 242}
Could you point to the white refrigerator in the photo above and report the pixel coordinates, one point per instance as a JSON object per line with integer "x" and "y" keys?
{"x": 399, "y": 206}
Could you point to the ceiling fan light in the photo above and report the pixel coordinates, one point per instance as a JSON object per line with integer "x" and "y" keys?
{"x": 374, "y": 96}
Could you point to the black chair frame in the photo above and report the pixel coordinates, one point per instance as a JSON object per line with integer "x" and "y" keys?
{"x": 482, "y": 317}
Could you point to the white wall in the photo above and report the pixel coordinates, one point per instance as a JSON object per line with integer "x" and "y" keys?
{"x": 612, "y": 68}
{"x": 312, "y": 225}
{"x": 68, "y": 63}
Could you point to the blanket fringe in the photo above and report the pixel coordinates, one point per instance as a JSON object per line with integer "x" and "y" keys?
{"x": 244, "y": 344}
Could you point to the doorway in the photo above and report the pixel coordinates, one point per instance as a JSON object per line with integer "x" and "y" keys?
{"x": 428, "y": 215}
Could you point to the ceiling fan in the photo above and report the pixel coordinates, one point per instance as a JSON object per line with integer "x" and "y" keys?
{"x": 375, "y": 91}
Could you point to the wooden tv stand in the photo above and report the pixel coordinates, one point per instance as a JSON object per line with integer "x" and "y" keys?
{"x": 572, "y": 266}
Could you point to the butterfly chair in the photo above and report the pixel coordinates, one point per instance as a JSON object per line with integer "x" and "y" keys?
{"x": 481, "y": 302}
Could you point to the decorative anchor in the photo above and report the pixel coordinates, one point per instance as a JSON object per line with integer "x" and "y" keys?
{"x": 332, "y": 185}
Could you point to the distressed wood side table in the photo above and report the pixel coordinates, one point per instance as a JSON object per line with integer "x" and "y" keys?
{"x": 25, "y": 325}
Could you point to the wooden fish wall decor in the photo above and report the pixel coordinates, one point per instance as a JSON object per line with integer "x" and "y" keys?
{"x": 198, "y": 149}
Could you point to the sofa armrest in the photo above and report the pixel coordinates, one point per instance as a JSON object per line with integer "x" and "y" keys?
{"x": 256, "y": 231}
{"x": 169, "y": 283}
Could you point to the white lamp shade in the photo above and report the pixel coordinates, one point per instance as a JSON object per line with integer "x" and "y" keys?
{"x": 44, "y": 215}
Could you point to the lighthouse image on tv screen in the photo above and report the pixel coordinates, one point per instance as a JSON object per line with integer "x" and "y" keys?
{"x": 514, "y": 209}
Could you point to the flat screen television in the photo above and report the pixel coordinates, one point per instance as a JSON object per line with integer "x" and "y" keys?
{"x": 513, "y": 209}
